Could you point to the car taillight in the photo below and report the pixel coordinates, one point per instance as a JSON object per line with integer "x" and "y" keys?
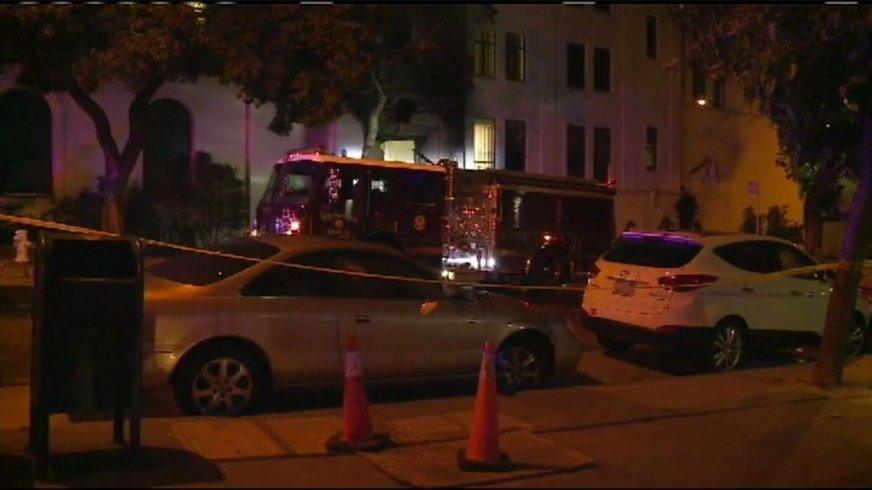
{"x": 685, "y": 282}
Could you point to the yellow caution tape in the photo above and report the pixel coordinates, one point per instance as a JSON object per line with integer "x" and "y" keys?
{"x": 26, "y": 221}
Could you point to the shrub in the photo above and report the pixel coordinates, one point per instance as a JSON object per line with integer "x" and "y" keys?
{"x": 749, "y": 221}
{"x": 686, "y": 207}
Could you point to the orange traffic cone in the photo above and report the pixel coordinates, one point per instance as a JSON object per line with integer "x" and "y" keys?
{"x": 357, "y": 434}
{"x": 483, "y": 449}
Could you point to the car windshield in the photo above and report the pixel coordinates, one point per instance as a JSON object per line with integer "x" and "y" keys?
{"x": 199, "y": 269}
{"x": 653, "y": 251}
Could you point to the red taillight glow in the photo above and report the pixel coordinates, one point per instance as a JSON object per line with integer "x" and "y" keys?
{"x": 685, "y": 282}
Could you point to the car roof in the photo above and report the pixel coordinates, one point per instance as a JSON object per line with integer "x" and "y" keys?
{"x": 707, "y": 238}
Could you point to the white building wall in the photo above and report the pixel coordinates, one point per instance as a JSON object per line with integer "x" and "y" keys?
{"x": 644, "y": 92}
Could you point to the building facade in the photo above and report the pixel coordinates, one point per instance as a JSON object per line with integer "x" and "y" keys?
{"x": 599, "y": 92}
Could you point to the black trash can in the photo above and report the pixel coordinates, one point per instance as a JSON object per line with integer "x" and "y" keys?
{"x": 87, "y": 333}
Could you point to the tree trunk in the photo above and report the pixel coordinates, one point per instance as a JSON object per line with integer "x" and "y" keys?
{"x": 372, "y": 125}
{"x": 812, "y": 224}
{"x": 840, "y": 311}
{"x": 118, "y": 164}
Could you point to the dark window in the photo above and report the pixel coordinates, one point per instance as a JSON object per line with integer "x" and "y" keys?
{"x": 602, "y": 69}
{"x": 668, "y": 252}
{"x": 516, "y": 145}
{"x": 599, "y": 7}
{"x": 516, "y": 56}
{"x": 587, "y": 216}
{"x": 200, "y": 269}
{"x": 485, "y": 57}
{"x": 755, "y": 256}
{"x": 791, "y": 258}
{"x": 575, "y": 65}
{"x": 575, "y": 162}
{"x": 290, "y": 281}
{"x": 529, "y": 210}
{"x": 25, "y": 143}
{"x": 602, "y": 153}
{"x": 167, "y": 154}
{"x": 651, "y": 37}
{"x": 423, "y": 187}
{"x": 389, "y": 265}
{"x": 651, "y": 148}
{"x": 718, "y": 93}
{"x": 697, "y": 76}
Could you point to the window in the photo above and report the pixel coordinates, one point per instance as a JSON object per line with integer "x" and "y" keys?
{"x": 697, "y": 76}
{"x": 485, "y": 52}
{"x": 25, "y": 143}
{"x": 388, "y": 265}
{"x": 529, "y": 210}
{"x": 198, "y": 269}
{"x": 754, "y": 256}
{"x": 602, "y": 153}
{"x": 516, "y": 145}
{"x": 289, "y": 281}
{"x": 651, "y": 148}
{"x": 600, "y": 7}
{"x": 651, "y": 37}
{"x": 718, "y": 93}
{"x": 602, "y": 69}
{"x": 516, "y": 56}
{"x": 652, "y": 251}
{"x": 485, "y": 144}
{"x": 575, "y": 65}
{"x": 166, "y": 158}
{"x": 575, "y": 147}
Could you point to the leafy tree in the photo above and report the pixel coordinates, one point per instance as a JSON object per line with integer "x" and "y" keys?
{"x": 419, "y": 63}
{"x": 306, "y": 60}
{"x": 807, "y": 68}
{"x": 79, "y": 49}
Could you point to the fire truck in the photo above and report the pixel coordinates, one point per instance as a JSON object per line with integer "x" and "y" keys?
{"x": 500, "y": 225}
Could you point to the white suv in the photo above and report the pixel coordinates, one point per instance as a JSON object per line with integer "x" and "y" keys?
{"x": 697, "y": 292}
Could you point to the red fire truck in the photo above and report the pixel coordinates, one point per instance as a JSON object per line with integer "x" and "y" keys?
{"x": 503, "y": 225}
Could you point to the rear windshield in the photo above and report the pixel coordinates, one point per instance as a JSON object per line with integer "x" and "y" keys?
{"x": 199, "y": 269}
{"x": 657, "y": 251}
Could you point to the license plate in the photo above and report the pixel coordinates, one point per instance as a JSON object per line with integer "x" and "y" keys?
{"x": 624, "y": 287}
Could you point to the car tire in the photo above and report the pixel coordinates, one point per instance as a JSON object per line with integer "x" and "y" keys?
{"x": 523, "y": 365}
{"x": 614, "y": 346}
{"x": 729, "y": 346}
{"x": 221, "y": 380}
{"x": 858, "y": 337}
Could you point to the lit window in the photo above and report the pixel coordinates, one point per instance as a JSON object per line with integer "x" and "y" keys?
{"x": 602, "y": 69}
{"x": 485, "y": 57}
{"x": 651, "y": 37}
{"x": 651, "y": 148}
{"x": 485, "y": 144}
{"x": 516, "y": 54}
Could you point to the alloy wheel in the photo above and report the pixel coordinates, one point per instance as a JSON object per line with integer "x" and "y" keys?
{"x": 222, "y": 385}
{"x": 519, "y": 367}
{"x": 728, "y": 348}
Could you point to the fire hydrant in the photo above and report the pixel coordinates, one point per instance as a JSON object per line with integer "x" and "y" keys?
{"x": 22, "y": 245}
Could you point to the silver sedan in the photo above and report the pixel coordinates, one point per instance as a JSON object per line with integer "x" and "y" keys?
{"x": 224, "y": 331}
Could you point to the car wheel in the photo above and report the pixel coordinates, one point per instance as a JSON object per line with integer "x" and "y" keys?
{"x": 522, "y": 366}
{"x": 614, "y": 346}
{"x": 856, "y": 342}
{"x": 729, "y": 347}
{"x": 220, "y": 381}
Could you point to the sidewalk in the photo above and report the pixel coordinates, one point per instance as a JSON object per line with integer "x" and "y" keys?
{"x": 752, "y": 427}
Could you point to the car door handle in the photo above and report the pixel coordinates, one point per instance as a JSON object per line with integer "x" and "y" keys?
{"x": 795, "y": 293}
{"x": 746, "y": 289}
{"x": 361, "y": 319}
{"x": 473, "y": 321}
